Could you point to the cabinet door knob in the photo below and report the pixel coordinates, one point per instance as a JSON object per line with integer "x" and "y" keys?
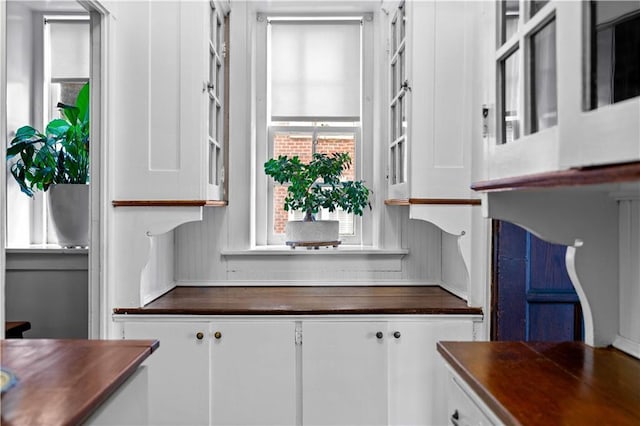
{"x": 217, "y": 335}
{"x": 379, "y": 335}
{"x": 454, "y": 418}
{"x": 199, "y": 335}
{"x": 396, "y": 334}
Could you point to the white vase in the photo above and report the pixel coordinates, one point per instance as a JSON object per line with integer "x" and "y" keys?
{"x": 69, "y": 210}
{"x": 312, "y": 232}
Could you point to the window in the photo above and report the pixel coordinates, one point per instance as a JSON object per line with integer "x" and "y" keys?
{"x": 527, "y": 101}
{"x": 615, "y": 52}
{"x": 314, "y": 89}
{"x": 57, "y": 75}
{"x": 398, "y": 104}
{"x": 216, "y": 89}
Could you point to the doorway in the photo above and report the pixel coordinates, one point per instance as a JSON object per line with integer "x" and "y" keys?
{"x": 77, "y": 314}
{"x": 533, "y": 298}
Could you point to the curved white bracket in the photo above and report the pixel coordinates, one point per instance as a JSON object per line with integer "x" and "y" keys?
{"x": 133, "y": 229}
{"x": 586, "y": 220}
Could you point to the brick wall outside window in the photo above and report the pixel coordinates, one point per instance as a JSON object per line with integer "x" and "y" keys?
{"x": 301, "y": 145}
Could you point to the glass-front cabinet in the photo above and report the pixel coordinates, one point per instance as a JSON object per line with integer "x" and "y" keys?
{"x": 567, "y": 85}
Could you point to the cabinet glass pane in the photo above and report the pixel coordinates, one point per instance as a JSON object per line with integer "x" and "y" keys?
{"x": 536, "y": 5}
{"x": 394, "y": 119}
{"x": 544, "y": 105}
{"x": 510, "y": 10}
{"x": 403, "y": 23}
{"x": 392, "y": 166}
{"x": 510, "y": 98}
{"x": 615, "y": 52}
{"x": 400, "y": 172}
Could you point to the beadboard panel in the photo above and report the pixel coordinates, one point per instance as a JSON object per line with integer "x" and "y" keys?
{"x": 630, "y": 269}
{"x": 157, "y": 275}
{"x": 199, "y": 247}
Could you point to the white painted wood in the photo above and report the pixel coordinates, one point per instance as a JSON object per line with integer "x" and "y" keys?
{"x": 3, "y": 174}
{"x": 179, "y": 371}
{"x": 442, "y": 76}
{"x": 157, "y": 275}
{"x": 416, "y": 373}
{"x": 253, "y": 373}
{"x": 344, "y": 373}
{"x": 587, "y": 222}
{"x": 606, "y": 135}
{"x": 463, "y": 401}
{"x": 629, "y": 264}
{"x": 129, "y": 404}
{"x": 158, "y": 140}
{"x": 130, "y": 249}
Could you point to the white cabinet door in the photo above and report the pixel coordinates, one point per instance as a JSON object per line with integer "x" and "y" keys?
{"x": 344, "y": 373}
{"x": 417, "y": 376}
{"x": 254, "y": 373}
{"x": 178, "y": 371}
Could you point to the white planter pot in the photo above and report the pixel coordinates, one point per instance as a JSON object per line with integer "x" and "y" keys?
{"x": 312, "y": 232}
{"x": 69, "y": 210}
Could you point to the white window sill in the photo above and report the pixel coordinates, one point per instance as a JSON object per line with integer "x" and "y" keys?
{"x": 323, "y": 251}
{"x": 45, "y": 249}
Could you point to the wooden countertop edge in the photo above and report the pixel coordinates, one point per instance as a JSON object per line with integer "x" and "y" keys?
{"x": 93, "y": 404}
{"x": 296, "y": 312}
{"x": 498, "y": 409}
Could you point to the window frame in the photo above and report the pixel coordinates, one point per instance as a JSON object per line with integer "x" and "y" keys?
{"x": 521, "y": 41}
{"x": 262, "y": 186}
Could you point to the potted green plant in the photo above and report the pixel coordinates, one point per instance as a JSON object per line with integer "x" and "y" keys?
{"x": 315, "y": 186}
{"x": 58, "y": 161}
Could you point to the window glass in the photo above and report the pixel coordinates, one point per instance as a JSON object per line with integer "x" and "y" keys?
{"x": 510, "y": 98}
{"x": 536, "y": 5}
{"x": 615, "y": 52}
{"x": 510, "y": 18}
{"x": 544, "y": 107}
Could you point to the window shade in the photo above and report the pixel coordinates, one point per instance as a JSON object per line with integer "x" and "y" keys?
{"x": 69, "y": 44}
{"x": 315, "y": 69}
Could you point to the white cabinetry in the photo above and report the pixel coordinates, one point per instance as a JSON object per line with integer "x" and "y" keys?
{"x": 165, "y": 128}
{"x": 560, "y": 63}
{"x": 179, "y": 372}
{"x": 431, "y": 67}
{"x": 416, "y": 370}
{"x": 291, "y": 370}
{"x": 253, "y": 374}
{"x": 464, "y": 407}
{"x": 344, "y": 380}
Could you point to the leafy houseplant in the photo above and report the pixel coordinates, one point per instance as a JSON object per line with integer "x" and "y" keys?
{"x": 317, "y": 185}
{"x": 57, "y": 161}
{"x": 60, "y": 155}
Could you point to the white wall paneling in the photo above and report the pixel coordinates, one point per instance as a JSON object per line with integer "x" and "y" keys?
{"x": 48, "y": 288}
{"x": 628, "y": 338}
{"x": 585, "y": 220}
{"x": 3, "y": 132}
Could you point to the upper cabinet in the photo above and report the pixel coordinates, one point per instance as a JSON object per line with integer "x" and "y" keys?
{"x": 567, "y": 93}
{"x": 432, "y": 77}
{"x": 170, "y": 100}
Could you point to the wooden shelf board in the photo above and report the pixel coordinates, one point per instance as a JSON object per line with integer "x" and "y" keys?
{"x": 169, "y": 203}
{"x": 616, "y": 173}
{"x": 433, "y": 201}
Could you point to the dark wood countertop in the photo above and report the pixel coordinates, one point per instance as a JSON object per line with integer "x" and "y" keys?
{"x": 309, "y": 300}
{"x": 550, "y": 383}
{"x": 63, "y": 382}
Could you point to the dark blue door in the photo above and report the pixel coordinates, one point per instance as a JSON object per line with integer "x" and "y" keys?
{"x": 533, "y": 297}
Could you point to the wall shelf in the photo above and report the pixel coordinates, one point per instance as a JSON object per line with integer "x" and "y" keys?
{"x": 169, "y": 203}
{"x": 615, "y": 173}
{"x": 433, "y": 201}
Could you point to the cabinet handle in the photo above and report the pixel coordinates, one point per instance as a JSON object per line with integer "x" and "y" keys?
{"x": 396, "y": 334}
{"x": 379, "y": 335}
{"x": 199, "y": 335}
{"x": 217, "y": 335}
{"x": 454, "y": 418}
